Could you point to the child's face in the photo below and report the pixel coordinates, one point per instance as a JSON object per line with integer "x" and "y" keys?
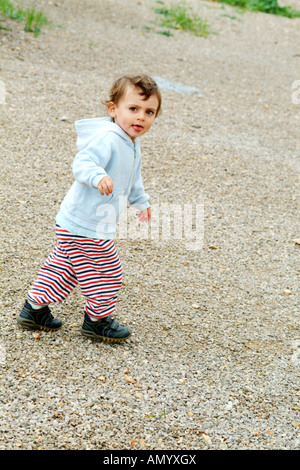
{"x": 134, "y": 114}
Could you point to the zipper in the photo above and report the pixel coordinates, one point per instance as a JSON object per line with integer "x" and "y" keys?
{"x": 133, "y": 171}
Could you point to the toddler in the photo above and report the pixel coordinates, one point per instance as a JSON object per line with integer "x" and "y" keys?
{"x": 107, "y": 172}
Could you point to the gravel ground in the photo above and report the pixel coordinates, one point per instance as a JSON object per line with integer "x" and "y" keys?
{"x": 213, "y": 362}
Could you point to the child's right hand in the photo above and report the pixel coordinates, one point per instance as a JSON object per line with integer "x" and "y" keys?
{"x": 105, "y": 186}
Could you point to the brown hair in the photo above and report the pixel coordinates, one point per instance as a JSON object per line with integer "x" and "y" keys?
{"x": 144, "y": 82}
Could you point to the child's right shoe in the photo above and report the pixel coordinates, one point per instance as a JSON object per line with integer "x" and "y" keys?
{"x": 106, "y": 329}
{"x": 41, "y": 319}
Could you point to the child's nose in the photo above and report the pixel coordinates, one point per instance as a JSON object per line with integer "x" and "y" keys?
{"x": 142, "y": 115}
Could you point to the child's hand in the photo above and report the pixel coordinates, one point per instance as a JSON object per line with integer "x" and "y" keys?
{"x": 145, "y": 215}
{"x": 105, "y": 186}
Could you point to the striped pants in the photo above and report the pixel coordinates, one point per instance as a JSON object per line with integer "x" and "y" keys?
{"x": 93, "y": 264}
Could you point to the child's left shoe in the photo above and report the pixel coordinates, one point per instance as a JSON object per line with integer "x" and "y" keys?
{"x": 106, "y": 329}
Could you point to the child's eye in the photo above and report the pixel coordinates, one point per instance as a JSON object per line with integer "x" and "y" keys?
{"x": 150, "y": 112}
{"x": 133, "y": 108}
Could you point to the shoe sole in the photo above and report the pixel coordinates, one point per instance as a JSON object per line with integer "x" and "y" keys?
{"x": 92, "y": 335}
{"x": 31, "y": 325}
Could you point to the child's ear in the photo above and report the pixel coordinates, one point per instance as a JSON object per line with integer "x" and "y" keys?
{"x": 111, "y": 108}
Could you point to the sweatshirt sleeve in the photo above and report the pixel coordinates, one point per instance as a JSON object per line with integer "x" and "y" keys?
{"x": 90, "y": 163}
{"x": 137, "y": 196}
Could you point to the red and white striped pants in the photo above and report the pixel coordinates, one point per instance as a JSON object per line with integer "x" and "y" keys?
{"x": 93, "y": 264}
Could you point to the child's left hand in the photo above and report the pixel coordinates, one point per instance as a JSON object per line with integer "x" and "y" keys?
{"x": 145, "y": 215}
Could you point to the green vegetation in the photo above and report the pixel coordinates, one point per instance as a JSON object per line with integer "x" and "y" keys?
{"x": 180, "y": 16}
{"x": 33, "y": 19}
{"x": 265, "y": 6}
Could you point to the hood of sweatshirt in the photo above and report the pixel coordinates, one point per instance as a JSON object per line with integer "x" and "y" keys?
{"x": 89, "y": 129}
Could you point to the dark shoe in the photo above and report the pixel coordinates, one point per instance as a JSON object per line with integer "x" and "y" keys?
{"x": 41, "y": 319}
{"x": 106, "y": 329}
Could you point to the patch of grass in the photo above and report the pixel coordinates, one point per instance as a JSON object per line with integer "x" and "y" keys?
{"x": 33, "y": 19}
{"x": 181, "y": 17}
{"x": 165, "y": 33}
{"x": 265, "y": 6}
{"x": 9, "y": 10}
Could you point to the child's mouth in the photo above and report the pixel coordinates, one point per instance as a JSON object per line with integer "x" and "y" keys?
{"x": 137, "y": 127}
